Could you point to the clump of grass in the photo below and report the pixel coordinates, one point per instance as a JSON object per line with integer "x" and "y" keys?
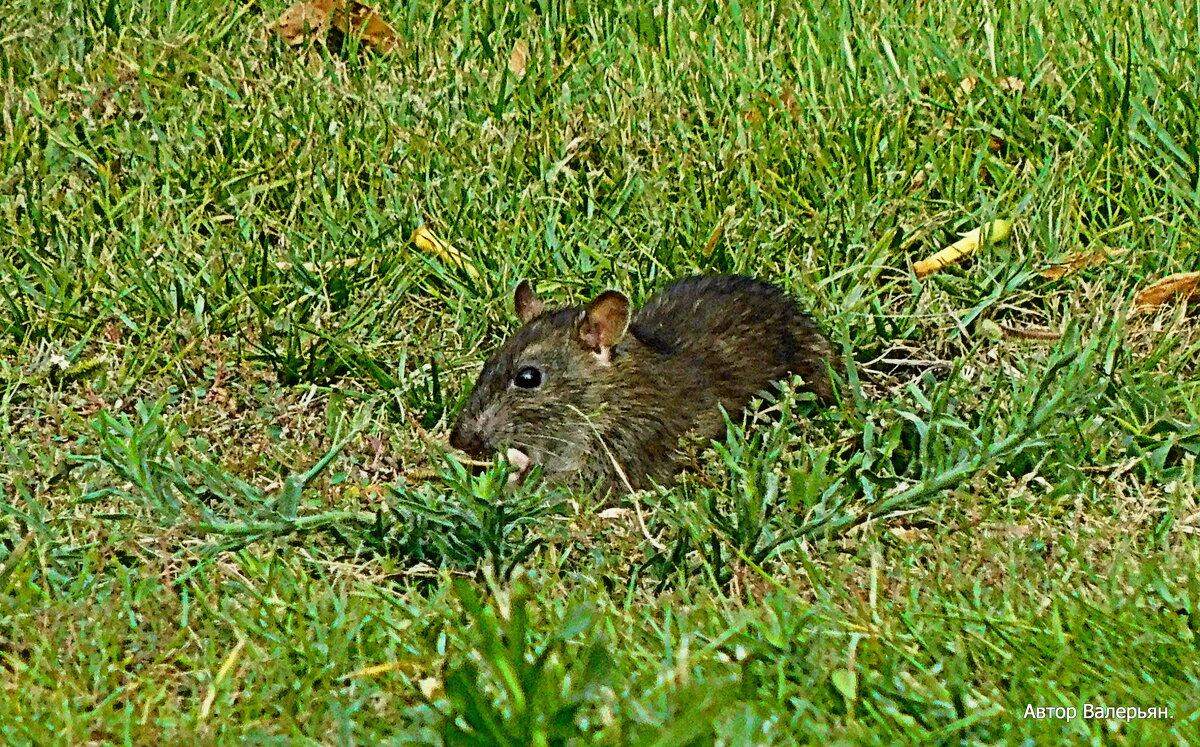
{"x": 467, "y": 522}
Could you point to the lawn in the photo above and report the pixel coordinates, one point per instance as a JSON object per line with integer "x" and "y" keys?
{"x": 227, "y": 374}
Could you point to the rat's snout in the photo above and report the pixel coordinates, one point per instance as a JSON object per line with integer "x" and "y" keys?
{"x": 468, "y": 438}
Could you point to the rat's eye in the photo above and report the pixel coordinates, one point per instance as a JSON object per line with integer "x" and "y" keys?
{"x": 528, "y": 378}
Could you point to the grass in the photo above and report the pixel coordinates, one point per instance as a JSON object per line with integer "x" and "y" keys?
{"x": 225, "y": 516}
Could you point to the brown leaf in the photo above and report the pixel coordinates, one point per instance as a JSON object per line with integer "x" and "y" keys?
{"x": 1043, "y": 334}
{"x": 1181, "y": 285}
{"x": 788, "y": 99}
{"x": 908, "y": 535}
{"x": 1010, "y": 84}
{"x": 113, "y": 332}
{"x": 1011, "y": 531}
{"x": 310, "y": 18}
{"x": 519, "y": 58}
{"x": 355, "y": 18}
{"x": 304, "y": 19}
{"x": 919, "y": 177}
{"x": 967, "y": 85}
{"x": 718, "y": 231}
{"x": 1077, "y": 261}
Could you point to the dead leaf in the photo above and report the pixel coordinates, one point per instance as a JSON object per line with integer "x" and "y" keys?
{"x": 789, "y": 102}
{"x": 312, "y": 18}
{"x": 1010, "y": 531}
{"x": 304, "y": 19}
{"x": 1180, "y": 285}
{"x": 919, "y": 178}
{"x": 613, "y": 513}
{"x": 1010, "y": 84}
{"x": 718, "y": 231}
{"x": 753, "y": 116}
{"x": 990, "y": 329}
{"x": 353, "y": 17}
{"x": 113, "y": 332}
{"x": 431, "y": 687}
{"x": 967, "y": 85}
{"x": 426, "y": 241}
{"x": 378, "y": 669}
{"x": 318, "y": 267}
{"x": 907, "y": 534}
{"x": 519, "y": 57}
{"x": 421, "y": 569}
{"x": 1077, "y": 261}
{"x": 1041, "y": 334}
{"x": 997, "y": 230}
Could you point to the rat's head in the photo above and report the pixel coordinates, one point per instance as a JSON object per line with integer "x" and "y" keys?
{"x": 539, "y": 396}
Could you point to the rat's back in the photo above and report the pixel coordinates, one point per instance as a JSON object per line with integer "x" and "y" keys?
{"x": 739, "y": 333}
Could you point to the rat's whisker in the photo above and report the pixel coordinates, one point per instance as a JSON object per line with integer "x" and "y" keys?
{"x": 560, "y": 439}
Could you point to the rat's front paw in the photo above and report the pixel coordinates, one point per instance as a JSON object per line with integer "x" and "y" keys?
{"x": 522, "y": 462}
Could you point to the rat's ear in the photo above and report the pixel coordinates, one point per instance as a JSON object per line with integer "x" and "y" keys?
{"x": 603, "y": 323}
{"x": 526, "y": 302}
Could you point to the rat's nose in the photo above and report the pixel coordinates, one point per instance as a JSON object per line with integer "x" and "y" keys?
{"x": 468, "y": 439}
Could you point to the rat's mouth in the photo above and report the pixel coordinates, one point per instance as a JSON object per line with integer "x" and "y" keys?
{"x": 519, "y": 460}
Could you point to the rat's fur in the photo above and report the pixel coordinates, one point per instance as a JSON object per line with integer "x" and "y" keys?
{"x": 628, "y": 390}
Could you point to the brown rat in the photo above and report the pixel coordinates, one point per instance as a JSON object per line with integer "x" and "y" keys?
{"x": 583, "y": 389}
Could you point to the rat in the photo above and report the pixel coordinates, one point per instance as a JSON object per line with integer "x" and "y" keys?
{"x": 601, "y": 397}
